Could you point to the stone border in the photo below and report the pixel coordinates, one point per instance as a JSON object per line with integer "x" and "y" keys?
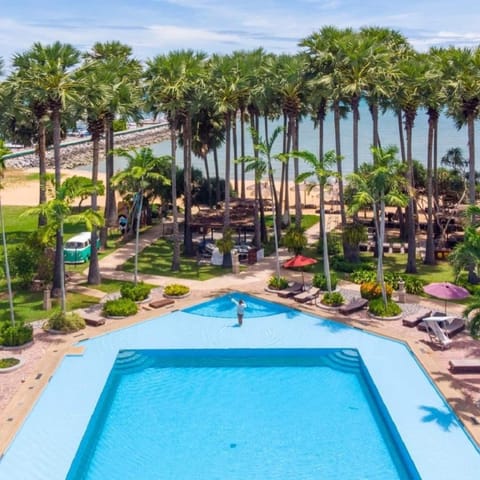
{"x": 177, "y": 297}
{"x": 17, "y": 347}
{"x": 375, "y": 317}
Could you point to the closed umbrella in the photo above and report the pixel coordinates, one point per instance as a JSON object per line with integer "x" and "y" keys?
{"x": 446, "y": 291}
{"x": 299, "y": 261}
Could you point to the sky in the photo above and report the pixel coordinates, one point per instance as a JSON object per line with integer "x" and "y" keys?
{"x": 154, "y": 27}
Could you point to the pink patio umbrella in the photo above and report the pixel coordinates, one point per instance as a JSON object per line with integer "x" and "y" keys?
{"x": 446, "y": 291}
{"x": 299, "y": 261}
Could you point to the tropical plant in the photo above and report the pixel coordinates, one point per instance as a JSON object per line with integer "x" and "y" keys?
{"x": 378, "y": 308}
{"x": 143, "y": 170}
{"x": 295, "y": 239}
{"x": 65, "y": 322}
{"x": 321, "y": 282}
{"x": 176, "y": 290}
{"x": 14, "y": 335}
{"x": 472, "y": 312}
{"x": 322, "y": 171}
{"x": 333, "y": 299}
{"x": 119, "y": 307}
{"x": 377, "y": 185}
{"x": 136, "y": 292}
{"x": 225, "y": 246}
{"x": 277, "y": 283}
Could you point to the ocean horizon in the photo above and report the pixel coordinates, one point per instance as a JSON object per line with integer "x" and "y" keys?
{"x": 448, "y": 137}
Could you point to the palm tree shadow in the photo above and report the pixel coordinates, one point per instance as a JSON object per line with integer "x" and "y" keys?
{"x": 444, "y": 418}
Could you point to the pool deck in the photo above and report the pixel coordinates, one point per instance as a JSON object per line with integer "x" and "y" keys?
{"x": 20, "y": 388}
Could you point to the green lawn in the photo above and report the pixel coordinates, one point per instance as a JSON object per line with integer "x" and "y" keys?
{"x": 157, "y": 260}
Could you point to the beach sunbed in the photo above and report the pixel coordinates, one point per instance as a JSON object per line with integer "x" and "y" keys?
{"x": 450, "y": 325}
{"x": 309, "y": 295}
{"x": 353, "y": 306}
{"x": 161, "y": 303}
{"x": 413, "y": 319}
{"x": 465, "y": 365}
{"x": 291, "y": 290}
{"x": 436, "y": 333}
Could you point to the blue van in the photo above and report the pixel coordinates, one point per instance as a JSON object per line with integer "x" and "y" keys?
{"x": 79, "y": 248}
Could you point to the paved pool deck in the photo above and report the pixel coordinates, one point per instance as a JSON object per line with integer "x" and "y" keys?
{"x": 20, "y": 389}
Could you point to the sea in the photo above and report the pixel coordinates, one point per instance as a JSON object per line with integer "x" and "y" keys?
{"x": 448, "y": 137}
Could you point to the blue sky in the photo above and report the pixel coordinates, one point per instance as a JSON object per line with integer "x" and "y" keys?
{"x": 158, "y": 26}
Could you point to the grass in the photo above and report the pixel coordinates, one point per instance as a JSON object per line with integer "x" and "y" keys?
{"x": 28, "y": 306}
{"x": 157, "y": 260}
{"x": 110, "y": 286}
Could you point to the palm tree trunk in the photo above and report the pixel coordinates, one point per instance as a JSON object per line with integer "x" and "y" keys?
{"x": 137, "y": 237}
{"x": 187, "y": 178}
{"x": 411, "y": 256}
{"x": 176, "y": 236}
{"x": 110, "y": 205}
{"x": 226, "y": 214}
{"x": 338, "y": 152}
{"x": 400, "y": 136}
{"x": 471, "y": 158}
{"x": 94, "y": 277}
{"x": 355, "y": 120}
{"x": 7, "y": 267}
{"x": 242, "y": 152}
{"x": 430, "y": 245}
{"x": 42, "y": 168}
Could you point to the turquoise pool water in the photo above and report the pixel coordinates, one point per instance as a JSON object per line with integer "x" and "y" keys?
{"x": 240, "y": 414}
{"x": 224, "y": 307}
{"x": 54, "y": 433}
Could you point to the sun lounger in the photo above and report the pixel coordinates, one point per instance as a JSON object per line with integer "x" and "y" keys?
{"x": 436, "y": 333}
{"x": 465, "y": 365}
{"x": 307, "y": 296}
{"x": 161, "y": 303}
{"x": 450, "y": 325}
{"x": 413, "y": 319}
{"x": 290, "y": 291}
{"x": 353, "y": 306}
{"x": 92, "y": 316}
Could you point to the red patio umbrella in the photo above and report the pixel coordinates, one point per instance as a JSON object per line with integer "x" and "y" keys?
{"x": 299, "y": 261}
{"x": 446, "y": 291}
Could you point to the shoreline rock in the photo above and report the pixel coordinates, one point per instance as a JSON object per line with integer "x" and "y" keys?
{"x": 78, "y": 153}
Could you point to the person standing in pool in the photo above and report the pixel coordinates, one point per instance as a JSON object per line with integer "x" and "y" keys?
{"x": 241, "y": 306}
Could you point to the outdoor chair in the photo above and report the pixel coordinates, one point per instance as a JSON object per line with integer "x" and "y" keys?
{"x": 436, "y": 333}
{"x": 413, "y": 319}
{"x": 308, "y": 296}
{"x": 465, "y": 365}
{"x": 293, "y": 289}
{"x": 353, "y": 306}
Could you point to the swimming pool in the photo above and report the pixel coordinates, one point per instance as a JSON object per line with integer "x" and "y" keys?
{"x": 47, "y": 443}
{"x": 289, "y": 413}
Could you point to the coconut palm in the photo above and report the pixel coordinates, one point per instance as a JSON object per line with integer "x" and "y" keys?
{"x": 322, "y": 171}
{"x": 142, "y": 171}
{"x": 378, "y": 185}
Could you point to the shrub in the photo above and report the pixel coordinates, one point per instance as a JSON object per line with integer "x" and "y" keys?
{"x": 15, "y": 335}
{"x": 24, "y": 263}
{"x": 119, "y": 307}
{"x": 176, "y": 290}
{"x": 9, "y": 362}
{"x": 333, "y": 299}
{"x": 378, "y": 308}
{"x": 363, "y": 275}
{"x": 65, "y": 322}
{"x": 372, "y": 290}
{"x": 137, "y": 292}
{"x": 413, "y": 285}
{"x": 333, "y": 242}
{"x": 339, "y": 264}
{"x": 320, "y": 281}
{"x": 277, "y": 283}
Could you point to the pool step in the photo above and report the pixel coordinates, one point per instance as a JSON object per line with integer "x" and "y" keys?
{"x": 129, "y": 361}
{"x": 346, "y": 360}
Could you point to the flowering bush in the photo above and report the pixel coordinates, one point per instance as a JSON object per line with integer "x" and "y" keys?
{"x": 372, "y": 290}
{"x": 176, "y": 290}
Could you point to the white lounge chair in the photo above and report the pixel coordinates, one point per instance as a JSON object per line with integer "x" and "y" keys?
{"x": 435, "y": 332}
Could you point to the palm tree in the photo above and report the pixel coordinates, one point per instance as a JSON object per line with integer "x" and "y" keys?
{"x": 47, "y": 72}
{"x": 142, "y": 171}
{"x": 171, "y": 84}
{"x": 322, "y": 170}
{"x": 5, "y": 151}
{"x": 121, "y": 74}
{"x": 377, "y": 185}
{"x": 462, "y": 77}
{"x": 58, "y": 211}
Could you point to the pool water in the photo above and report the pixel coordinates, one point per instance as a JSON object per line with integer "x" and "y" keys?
{"x": 224, "y": 307}
{"x": 240, "y": 414}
